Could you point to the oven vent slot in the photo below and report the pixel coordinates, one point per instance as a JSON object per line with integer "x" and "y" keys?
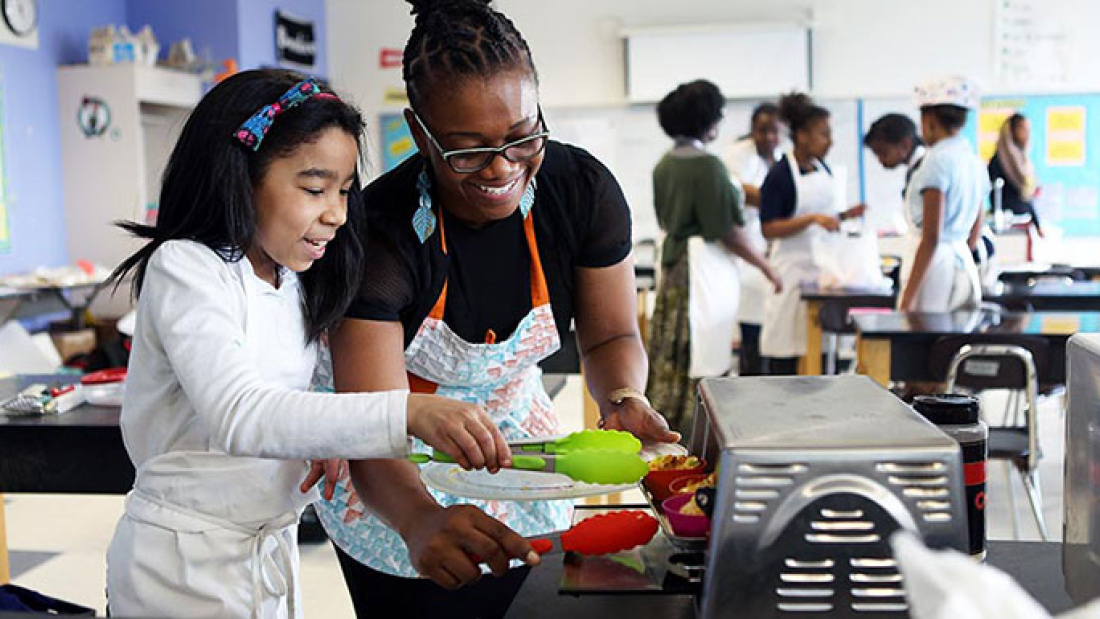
{"x": 757, "y": 485}
{"x": 925, "y": 484}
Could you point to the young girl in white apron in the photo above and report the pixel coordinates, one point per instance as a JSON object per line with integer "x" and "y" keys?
{"x": 216, "y": 414}
{"x": 798, "y": 202}
{"x": 943, "y": 204}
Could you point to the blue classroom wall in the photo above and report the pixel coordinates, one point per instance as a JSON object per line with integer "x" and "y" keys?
{"x": 242, "y": 29}
{"x": 1069, "y": 195}
{"x": 210, "y": 24}
{"x": 31, "y": 133}
{"x": 256, "y": 31}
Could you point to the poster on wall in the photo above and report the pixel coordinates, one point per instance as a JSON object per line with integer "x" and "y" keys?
{"x": 991, "y": 116}
{"x": 397, "y": 141}
{"x": 1065, "y": 135}
{"x": 295, "y": 43}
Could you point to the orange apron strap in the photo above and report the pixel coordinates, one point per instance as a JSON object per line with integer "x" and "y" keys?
{"x": 540, "y": 293}
{"x": 421, "y": 385}
{"x": 441, "y": 300}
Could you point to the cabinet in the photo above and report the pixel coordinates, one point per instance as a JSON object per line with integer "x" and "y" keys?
{"x": 118, "y": 126}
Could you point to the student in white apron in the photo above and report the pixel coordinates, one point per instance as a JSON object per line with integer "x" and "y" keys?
{"x": 216, "y": 416}
{"x": 944, "y": 202}
{"x": 797, "y": 201}
{"x": 749, "y": 160}
{"x": 484, "y": 247}
{"x": 699, "y": 210}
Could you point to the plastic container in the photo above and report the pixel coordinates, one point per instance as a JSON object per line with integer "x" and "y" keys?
{"x": 959, "y": 416}
{"x": 685, "y": 525}
{"x": 658, "y": 482}
{"x": 105, "y": 388}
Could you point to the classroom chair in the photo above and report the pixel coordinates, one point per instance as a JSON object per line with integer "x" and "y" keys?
{"x": 1013, "y": 364}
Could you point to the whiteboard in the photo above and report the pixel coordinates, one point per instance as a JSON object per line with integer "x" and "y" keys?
{"x": 659, "y": 59}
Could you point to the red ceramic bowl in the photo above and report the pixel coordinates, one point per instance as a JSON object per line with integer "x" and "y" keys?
{"x": 684, "y": 525}
{"x": 680, "y": 484}
{"x": 658, "y": 482}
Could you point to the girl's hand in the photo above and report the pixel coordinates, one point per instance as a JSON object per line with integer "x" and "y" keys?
{"x": 461, "y": 430}
{"x": 334, "y": 471}
{"x": 636, "y": 417}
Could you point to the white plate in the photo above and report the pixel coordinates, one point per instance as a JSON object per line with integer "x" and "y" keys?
{"x": 510, "y": 484}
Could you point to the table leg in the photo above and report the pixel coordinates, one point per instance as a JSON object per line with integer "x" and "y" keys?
{"x": 873, "y": 359}
{"x": 811, "y": 363}
{"x": 643, "y": 316}
{"x": 5, "y": 568}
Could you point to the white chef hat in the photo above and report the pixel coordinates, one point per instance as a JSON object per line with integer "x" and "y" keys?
{"x": 951, "y": 90}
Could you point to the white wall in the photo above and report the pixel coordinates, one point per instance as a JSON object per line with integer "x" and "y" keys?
{"x": 862, "y": 48}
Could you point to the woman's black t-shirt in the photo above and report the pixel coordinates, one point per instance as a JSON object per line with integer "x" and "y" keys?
{"x": 581, "y": 220}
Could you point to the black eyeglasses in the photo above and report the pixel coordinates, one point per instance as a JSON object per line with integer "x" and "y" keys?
{"x": 470, "y": 160}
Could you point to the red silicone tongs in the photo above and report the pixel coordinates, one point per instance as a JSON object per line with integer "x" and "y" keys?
{"x": 601, "y": 534}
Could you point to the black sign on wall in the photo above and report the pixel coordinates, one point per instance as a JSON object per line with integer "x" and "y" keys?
{"x": 294, "y": 40}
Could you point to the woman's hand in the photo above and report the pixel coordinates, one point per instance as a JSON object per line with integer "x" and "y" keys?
{"x": 829, "y": 222}
{"x": 856, "y": 211}
{"x": 446, "y": 544}
{"x": 334, "y": 471}
{"x": 638, "y": 418}
{"x": 773, "y": 276}
{"x": 461, "y": 430}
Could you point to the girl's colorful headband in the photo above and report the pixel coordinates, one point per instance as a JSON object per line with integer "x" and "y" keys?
{"x": 253, "y": 130}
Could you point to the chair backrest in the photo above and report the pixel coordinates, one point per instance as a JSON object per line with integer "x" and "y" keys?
{"x": 990, "y": 361}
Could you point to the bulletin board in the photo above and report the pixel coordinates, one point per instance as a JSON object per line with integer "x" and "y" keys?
{"x": 397, "y": 141}
{"x": 1064, "y": 149}
{"x": 5, "y": 228}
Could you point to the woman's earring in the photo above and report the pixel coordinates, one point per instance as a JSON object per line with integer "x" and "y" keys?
{"x": 527, "y": 200}
{"x": 424, "y": 219}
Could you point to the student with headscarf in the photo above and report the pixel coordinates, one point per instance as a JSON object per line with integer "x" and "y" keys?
{"x": 1011, "y": 163}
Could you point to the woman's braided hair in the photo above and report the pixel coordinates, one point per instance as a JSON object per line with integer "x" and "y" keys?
{"x": 460, "y": 38}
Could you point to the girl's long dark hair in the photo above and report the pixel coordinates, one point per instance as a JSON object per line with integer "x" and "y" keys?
{"x": 206, "y": 190}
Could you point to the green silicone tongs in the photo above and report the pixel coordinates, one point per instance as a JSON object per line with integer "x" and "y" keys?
{"x": 609, "y": 440}
{"x": 592, "y": 466}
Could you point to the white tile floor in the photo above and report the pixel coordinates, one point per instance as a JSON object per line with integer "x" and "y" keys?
{"x": 79, "y": 528}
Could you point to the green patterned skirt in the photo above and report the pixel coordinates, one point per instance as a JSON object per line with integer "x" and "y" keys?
{"x": 671, "y": 389}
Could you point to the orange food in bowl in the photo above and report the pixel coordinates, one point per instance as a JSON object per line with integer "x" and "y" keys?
{"x": 662, "y": 474}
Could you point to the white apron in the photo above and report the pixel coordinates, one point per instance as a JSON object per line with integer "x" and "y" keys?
{"x": 754, "y": 285}
{"x": 783, "y": 332}
{"x": 503, "y": 376}
{"x": 713, "y": 293}
{"x": 951, "y": 282}
{"x": 206, "y": 534}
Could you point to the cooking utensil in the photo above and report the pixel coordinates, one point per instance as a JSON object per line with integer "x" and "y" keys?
{"x": 592, "y": 466}
{"x": 612, "y": 440}
{"x": 599, "y": 535}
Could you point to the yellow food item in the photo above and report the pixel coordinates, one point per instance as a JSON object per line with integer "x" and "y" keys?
{"x": 707, "y": 482}
{"x": 672, "y": 463}
{"x": 691, "y": 508}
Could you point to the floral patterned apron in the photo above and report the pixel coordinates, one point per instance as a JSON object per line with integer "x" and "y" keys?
{"x": 503, "y": 376}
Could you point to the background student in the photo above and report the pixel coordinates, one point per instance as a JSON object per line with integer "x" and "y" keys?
{"x": 799, "y": 200}
{"x": 944, "y": 202}
{"x": 749, "y": 160}
{"x": 699, "y": 210}
{"x": 217, "y": 417}
{"x": 1011, "y": 163}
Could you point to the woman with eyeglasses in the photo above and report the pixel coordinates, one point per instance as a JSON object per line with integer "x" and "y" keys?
{"x": 481, "y": 251}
